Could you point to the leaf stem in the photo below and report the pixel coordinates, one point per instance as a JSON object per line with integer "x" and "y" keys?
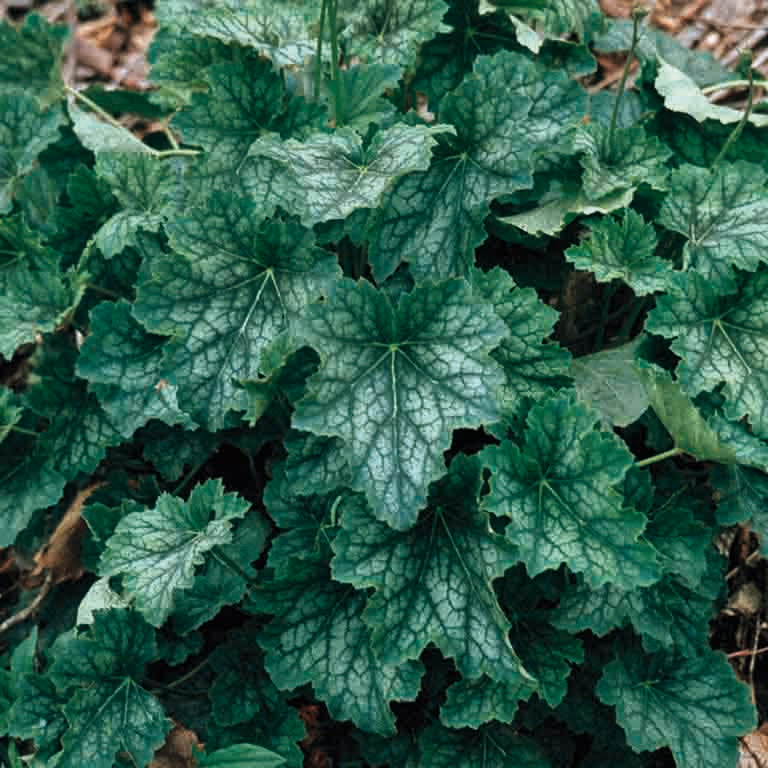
{"x": 338, "y": 91}
{"x": 319, "y": 54}
{"x": 637, "y": 15}
{"x": 228, "y": 562}
{"x": 159, "y": 153}
{"x": 179, "y": 680}
{"x": 92, "y": 105}
{"x": 733, "y": 138}
{"x": 670, "y": 454}
{"x": 186, "y": 479}
{"x": 23, "y": 431}
{"x": 707, "y": 89}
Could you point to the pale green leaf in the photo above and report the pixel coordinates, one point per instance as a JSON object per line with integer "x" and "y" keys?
{"x": 318, "y": 635}
{"x": 434, "y": 582}
{"x": 338, "y": 175}
{"x": 157, "y": 551}
{"x": 609, "y": 382}
{"x": 394, "y": 382}
{"x": 681, "y": 94}
{"x": 234, "y": 283}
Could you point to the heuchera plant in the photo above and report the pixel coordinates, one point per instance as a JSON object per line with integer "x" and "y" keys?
{"x": 397, "y": 372}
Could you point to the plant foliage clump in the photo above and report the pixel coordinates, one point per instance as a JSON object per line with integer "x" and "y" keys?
{"x": 395, "y": 374}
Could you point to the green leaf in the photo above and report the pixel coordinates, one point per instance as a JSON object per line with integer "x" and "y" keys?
{"x": 25, "y": 131}
{"x": 338, "y": 175}
{"x": 142, "y": 184}
{"x": 559, "y": 493}
{"x": 101, "y": 137}
{"x": 107, "y": 710}
{"x": 241, "y": 689}
{"x": 434, "y": 582}
{"x": 623, "y": 250}
{"x": 125, "y": 367}
{"x": 472, "y": 703}
{"x": 318, "y": 635}
{"x": 363, "y": 100}
{"x": 681, "y": 94}
{"x": 547, "y": 652}
{"x": 394, "y": 382}
{"x": 631, "y": 159}
{"x": 390, "y": 33}
{"x": 504, "y": 112}
{"x": 609, "y": 382}
{"x": 561, "y": 203}
{"x": 156, "y": 551}
{"x": 37, "y": 713}
{"x": 723, "y": 214}
{"x": 689, "y": 430}
{"x": 720, "y": 341}
{"x": 27, "y": 483}
{"x": 235, "y": 283}
{"x": 241, "y": 756}
{"x": 532, "y": 366}
{"x": 554, "y": 17}
{"x": 667, "y": 615}
{"x": 224, "y": 577}
{"x": 492, "y": 746}
{"x": 696, "y": 707}
{"x": 10, "y": 413}
{"x": 244, "y": 102}
{"x": 277, "y": 28}
{"x": 743, "y": 497}
{"x": 31, "y": 55}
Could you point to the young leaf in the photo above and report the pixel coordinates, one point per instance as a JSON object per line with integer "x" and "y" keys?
{"x": 395, "y": 381}
{"x": 719, "y": 340}
{"x": 338, "y": 175}
{"x": 108, "y": 711}
{"x": 723, "y": 214}
{"x": 240, "y": 282}
{"x": 223, "y": 578}
{"x": 364, "y": 103}
{"x": 158, "y": 550}
{"x": 318, "y": 635}
{"x": 559, "y": 493}
{"x": 696, "y": 706}
{"x": 434, "y": 582}
{"x": 623, "y": 250}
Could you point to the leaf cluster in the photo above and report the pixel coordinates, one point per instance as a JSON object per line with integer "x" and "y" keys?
{"x": 397, "y": 379}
